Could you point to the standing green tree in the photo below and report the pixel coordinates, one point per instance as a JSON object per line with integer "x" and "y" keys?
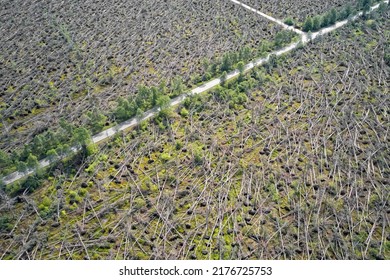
{"x": 144, "y": 98}
{"x": 345, "y": 13}
{"x": 325, "y": 20}
{"x": 365, "y": 5}
{"x": 5, "y": 161}
{"x": 164, "y": 104}
{"x": 383, "y": 7}
{"x": 332, "y": 16}
{"x": 81, "y": 137}
{"x": 32, "y": 161}
{"x": 245, "y": 54}
{"x": 177, "y": 87}
{"x": 96, "y": 120}
{"x": 316, "y": 23}
{"x": 124, "y": 109}
{"x": 281, "y": 38}
{"x": 289, "y": 21}
{"x": 25, "y": 152}
{"x": 155, "y": 95}
{"x": 52, "y": 139}
{"x": 162, "y": 88}
{"x": 22, "y": 167}
{"x": 272, "y": 63}
{"x": 62, "y": 150}
{"x": 223, "y": 78}
{"x": 67, "y": 127}
{"x": 308, "y": 25}
{"x": 205, "y": 64}
{"x": 241, "y": 67}
{"x": 235, "y": 57}
{"x": 15, "y": 157}
{"x": 226, "y": 64}
{"x": 263, "y": 48}
{"x": 139, "y": 114}
{"x": 349, "y": 10}
{"x": 39, "y": 145}
{"x": 51, "y": 155}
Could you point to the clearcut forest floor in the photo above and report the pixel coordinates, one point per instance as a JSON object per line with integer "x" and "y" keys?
{"x": 290, "y": 163}
{"x": 62, "y": 59}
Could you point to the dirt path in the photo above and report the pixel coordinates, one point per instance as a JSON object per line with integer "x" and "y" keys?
{"x": 305, "y": 38}
{"x": 278, "y": 21}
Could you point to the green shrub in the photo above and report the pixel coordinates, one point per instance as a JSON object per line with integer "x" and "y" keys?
{"x": 139, "y": 202}
{"x": 5, "y": 224}
{"x": 289, "y": 21}
{"x": 45, "y": 208}
{"x": 184, "y": 112}
{"x": 178, "y": 146}
{"x": 73, "y": 197}
{"x": 198, "y": 158}
{"x": 165, "y": 157}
